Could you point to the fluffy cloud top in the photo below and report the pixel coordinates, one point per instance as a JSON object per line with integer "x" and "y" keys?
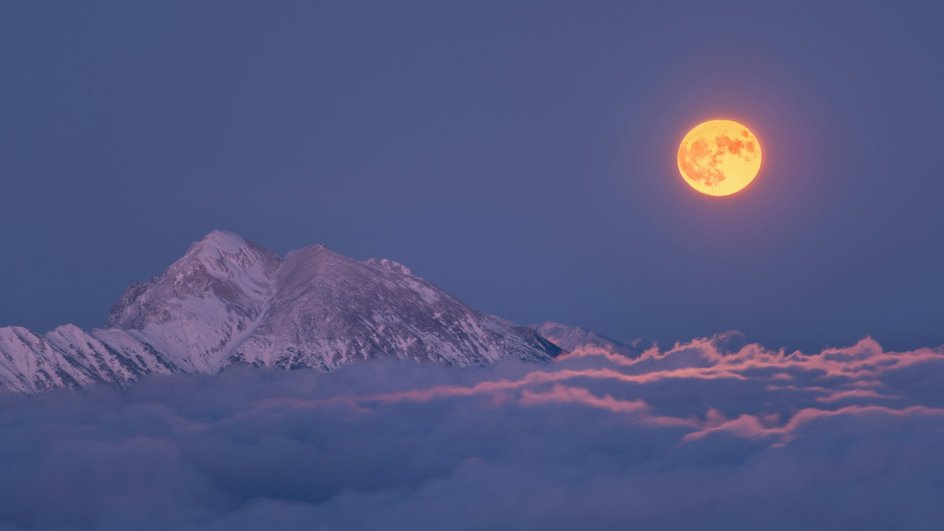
{"x": 705, "y": 435}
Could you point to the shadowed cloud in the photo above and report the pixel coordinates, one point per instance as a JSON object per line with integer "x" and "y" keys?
{"x": 707, "y": 433}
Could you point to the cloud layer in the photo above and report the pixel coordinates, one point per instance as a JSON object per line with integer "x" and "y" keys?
{"x": 710, "y": 434}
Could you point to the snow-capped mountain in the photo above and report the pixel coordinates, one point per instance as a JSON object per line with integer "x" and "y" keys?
{"x": 70, "y": 357}
{"x": 228, "y": 301}
{"x": 572, "y": 338}
{"x": 203, "y": 304}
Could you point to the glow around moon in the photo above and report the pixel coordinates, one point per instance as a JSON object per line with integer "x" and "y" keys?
{"x": 719, "y": 157}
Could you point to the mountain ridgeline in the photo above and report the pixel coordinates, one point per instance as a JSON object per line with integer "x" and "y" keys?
{"x": 229, "y": 302}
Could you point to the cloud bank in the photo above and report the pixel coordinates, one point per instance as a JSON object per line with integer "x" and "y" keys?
{"x": 709, "y": 434}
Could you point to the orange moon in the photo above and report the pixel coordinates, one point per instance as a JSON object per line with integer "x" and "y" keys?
{"x": 719, "y": 157}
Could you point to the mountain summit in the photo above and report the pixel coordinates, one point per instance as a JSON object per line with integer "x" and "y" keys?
{"x": 229, "y": 301}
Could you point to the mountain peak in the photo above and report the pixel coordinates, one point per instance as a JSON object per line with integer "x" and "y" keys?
{"x": 202, "y": 301}
{"x": 214, "y": 245}
{"x": 222, "y": 237}
{"x": 229, "y": 301}
{"x": 221, "y": 244}
{"x": 224, "y": 255}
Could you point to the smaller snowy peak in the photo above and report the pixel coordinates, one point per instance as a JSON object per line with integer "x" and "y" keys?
{"x": 88, "y": 360}
{"x": 68, "y": 357}
{"x": 572, "y": 338}
{"x": 28, "y": 363}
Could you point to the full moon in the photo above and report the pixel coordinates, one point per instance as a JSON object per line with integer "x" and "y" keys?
{"x": 719, "y": 157}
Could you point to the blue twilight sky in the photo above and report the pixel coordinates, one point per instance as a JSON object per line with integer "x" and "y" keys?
{"x": 518, "y": 154}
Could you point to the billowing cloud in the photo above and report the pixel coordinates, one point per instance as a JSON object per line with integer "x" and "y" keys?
{"x": 706, "y": 435}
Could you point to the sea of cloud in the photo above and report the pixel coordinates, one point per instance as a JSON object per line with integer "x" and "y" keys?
{"x": 712, "y": 434}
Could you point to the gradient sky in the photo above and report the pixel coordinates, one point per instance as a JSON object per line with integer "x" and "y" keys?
{"x": 518, "y": 154}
